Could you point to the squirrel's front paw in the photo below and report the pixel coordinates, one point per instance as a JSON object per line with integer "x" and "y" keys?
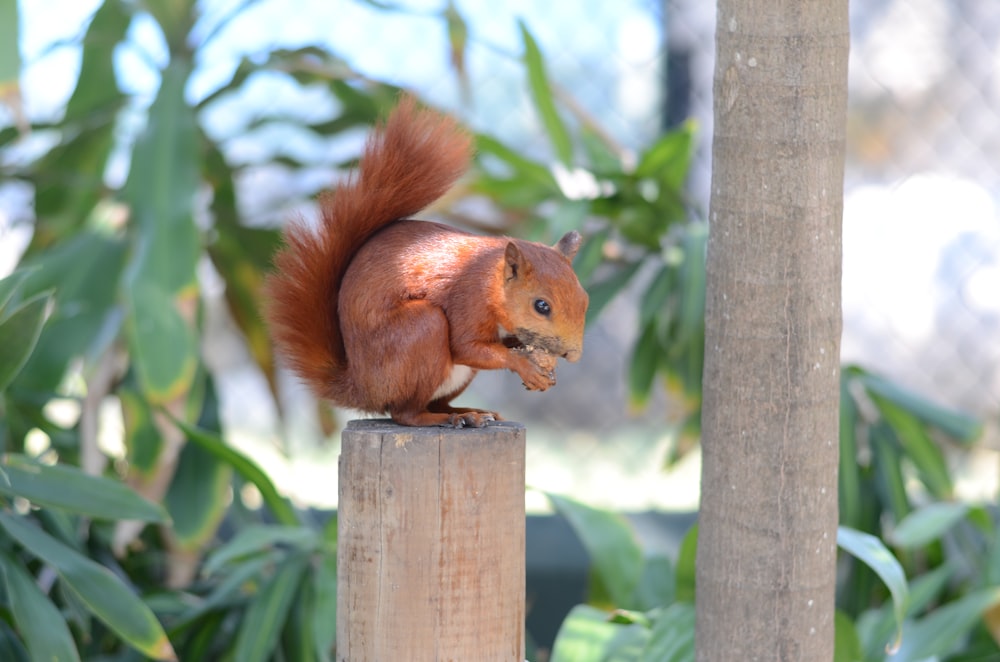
{"x": 540, "y": 372}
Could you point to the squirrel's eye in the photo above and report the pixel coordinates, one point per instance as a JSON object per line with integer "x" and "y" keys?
{"x": 542, "y": 307}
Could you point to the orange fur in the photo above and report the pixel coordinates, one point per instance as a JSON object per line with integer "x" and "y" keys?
{"x": 383, "y": 314}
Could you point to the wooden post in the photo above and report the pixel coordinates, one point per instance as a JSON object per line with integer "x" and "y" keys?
{"x": 430, "y": 549}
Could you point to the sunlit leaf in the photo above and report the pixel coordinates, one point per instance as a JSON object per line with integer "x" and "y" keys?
{"x": 960, "y": 426}
{"x": 846, "y": 645}
{"x": 873, "y": 553}
{"x": 541, "y": 93}
{"x": 258, "y": 539}
{"x": 265, "y": 617}
{"x": 610, "y": 542}
{"x": 672, "y": 635}
{"x": 40, "y": 623}
{"x": 69, "y": 488}
{"x": 588, "y": 635}
{"x": 103, "y": 594}
{"x": 19, "y": 332}
{"x": 164, "y": 346}
{"x": 247, "y": 468}
{"x": 927, "y": 524}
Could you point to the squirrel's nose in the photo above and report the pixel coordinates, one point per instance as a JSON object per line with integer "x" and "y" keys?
{"x": 573, "y": 355}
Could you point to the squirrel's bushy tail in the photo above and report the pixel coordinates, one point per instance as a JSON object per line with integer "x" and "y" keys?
{"x": 406, "y": 165}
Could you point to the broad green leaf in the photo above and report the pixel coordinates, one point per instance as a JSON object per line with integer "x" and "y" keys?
{"x": 324, "y": 614}
{"x": 164, "y": 346}
{"x": 258, "y": 539}
{"x": 887, "y": 460}
{"x": 668, "y": 160}
{"x": 601, "y": 293}
{"x": 657, "y": 295}
{"x": 873, "y": 553}
{"x": 175, "y": 18}
{"x": 103, "y": 594}
{"x": 691, "y": 314}
{"x": 70, "y": 489}
{"x": 143, "y": 442}
{"x": 11, "y": 648}
{"x": 97, "y": 85}
{"x": 265, "y": 617}
{"x": 19, "y": 332}
{"x": 918, "y": 446}
{"x": 642, "y": 366}
{"x": 657, "y": 583}
{"x": 541, "y": 92}
{"x": 685, "y": 565}
{"x": 846, "y": 645}
{"x": 960, "y": 426}
{"x": 927, "y": 524}
{"x": 939, "y": 633}
{"x": 591, "y": 255}
{"x": 84, "y": 272}
{"x": 197, "y": 498}
{"x": 10, "y": 287}
{"x": 589, "y": 635}
{"x": 523, "y": 168}
{"x": 279, "y": 505}
{"x": 229, "y": 590}
{"x": 672, "y": 635}
{"x": 849, "y": 472}
{"x": 610, "y": 542}
{"x": 40, "y": 623}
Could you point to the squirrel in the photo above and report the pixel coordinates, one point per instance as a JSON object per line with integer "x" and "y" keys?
{"x": 384, "y": 314}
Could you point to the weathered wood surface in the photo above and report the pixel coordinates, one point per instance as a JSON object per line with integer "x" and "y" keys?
{"x": 430, "y": 556}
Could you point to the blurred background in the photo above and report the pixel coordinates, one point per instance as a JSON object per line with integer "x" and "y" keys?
{"x": 921, "y": 224}
{"x": 150, "y": 152}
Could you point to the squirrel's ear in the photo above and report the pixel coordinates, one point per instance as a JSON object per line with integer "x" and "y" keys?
{"x": 569, "y": 245}
{"x": 514, "y": 264}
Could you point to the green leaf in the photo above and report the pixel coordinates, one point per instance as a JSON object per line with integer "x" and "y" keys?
{"x": 611, "y": 544}
{"x": 324, "y": 614}
{"x": 849, "y": 472}
{"x": 672, "y": 636}
{"x": 280, "y": 507}
{"x": 927, "y": 524}
{"x": 603, "y": 292}
{"x": 870, "y": 550}
{"x": 523, "y": 168}
{"x": 657, "y": 583}
{"x": 541, "y": 93}
{"x": 918, "y": 446}
{"x": 10, "y": 289}
{"x": 70, "y": 489}
{"x": 103, "y": 594}
{"x": 669, "y": 158}
{"x": 691, "y": 315}
{"x": 19, "y": 333}
{"x": 960, "y": 426}
{"x": 197, "y": 498}
{"x": 40, "y": 623}
{"x": 266, "y": 615}
{"x": 97, "y": 85}
{"x": 940, "y": 632}
{"x": 10, "y": 53}
{"x": 164, "y": 346}
{"x": 258, "y": 539}
{"x": 588, "y": 635}
{"x": 642, "y": 366}
{"x": 846, "y": 645}
{"x": 685, "y": 565}
{"x": 887, "y": 459}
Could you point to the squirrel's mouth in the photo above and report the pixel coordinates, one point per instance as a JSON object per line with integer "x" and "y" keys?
{"x": 512, "y": 342}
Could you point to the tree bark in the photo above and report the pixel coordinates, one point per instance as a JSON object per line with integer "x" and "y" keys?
{"x": 767, "y": 540}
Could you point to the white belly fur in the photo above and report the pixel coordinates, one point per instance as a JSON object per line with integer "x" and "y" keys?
{"x": 459, "y": 377}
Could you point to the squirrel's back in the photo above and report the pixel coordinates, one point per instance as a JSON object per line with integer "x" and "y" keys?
{"x": 406, "y": 165}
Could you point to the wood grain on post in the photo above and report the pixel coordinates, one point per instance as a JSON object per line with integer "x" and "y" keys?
{"x": 430, "y": 551}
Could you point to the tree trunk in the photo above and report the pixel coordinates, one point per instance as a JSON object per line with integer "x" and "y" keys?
{"x": 767, "y": 541}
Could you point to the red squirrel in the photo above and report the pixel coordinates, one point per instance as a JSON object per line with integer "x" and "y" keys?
{"x": 384, "y": 314}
